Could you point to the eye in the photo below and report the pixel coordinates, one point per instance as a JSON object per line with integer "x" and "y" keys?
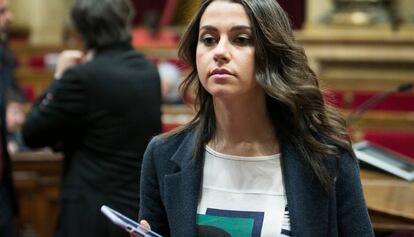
{"x": 242, "y": 40}
{"x": 208, "y": 40}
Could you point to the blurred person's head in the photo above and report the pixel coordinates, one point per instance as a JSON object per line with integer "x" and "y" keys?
{"x": 15, "y": 116}
{"x": 103, "y": 22}
{"x": 170, "y": 81}
{"x": 15, "y": 112}
{"x": 6, "y": 18}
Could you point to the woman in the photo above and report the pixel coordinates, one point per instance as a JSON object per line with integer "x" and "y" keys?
{"x": 264, "y": 155}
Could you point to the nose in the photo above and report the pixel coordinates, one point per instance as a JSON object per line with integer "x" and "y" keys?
{"x": 222, "y": 51}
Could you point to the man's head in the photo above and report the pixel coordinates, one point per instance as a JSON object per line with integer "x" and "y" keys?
{"x": 102, "y": 22}
{"x": 6, "y": 18}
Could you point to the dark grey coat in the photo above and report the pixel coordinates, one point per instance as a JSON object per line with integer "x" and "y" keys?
{"x": 171, "y": 182}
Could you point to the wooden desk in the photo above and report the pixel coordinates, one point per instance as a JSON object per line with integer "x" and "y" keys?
{"x": 37, "y": 181}
{"x": 390, "y": 201}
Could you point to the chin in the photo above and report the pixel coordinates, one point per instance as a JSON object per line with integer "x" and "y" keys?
{"x": 222, "y": 94}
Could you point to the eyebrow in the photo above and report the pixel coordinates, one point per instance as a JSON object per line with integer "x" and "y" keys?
{"x": 234, "y": 28}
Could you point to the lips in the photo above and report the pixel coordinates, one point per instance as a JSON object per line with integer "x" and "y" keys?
{"x": 221, "y": 73}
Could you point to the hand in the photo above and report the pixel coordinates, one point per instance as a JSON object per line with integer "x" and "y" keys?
{"x": 67, "y": 59}
{"x": 144, "y": 224}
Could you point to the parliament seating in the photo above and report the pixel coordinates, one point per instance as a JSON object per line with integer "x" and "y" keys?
{"x": 387, "y": 118}
{"x": 400, "y": 141}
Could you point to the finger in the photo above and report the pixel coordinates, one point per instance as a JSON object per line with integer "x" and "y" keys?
{"x": 71, "y": 57}
{"x": 73, "y": 53}
{"x": 145, "y": 224}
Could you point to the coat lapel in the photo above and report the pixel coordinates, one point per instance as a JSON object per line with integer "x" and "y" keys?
{"x": 182, "y": 190}
{"x": 308, "y": 205}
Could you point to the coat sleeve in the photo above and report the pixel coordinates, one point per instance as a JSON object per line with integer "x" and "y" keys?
{"x": 57, "y": 113}
{"x": 151, "y": 206}
{"x": 353, "y": 218}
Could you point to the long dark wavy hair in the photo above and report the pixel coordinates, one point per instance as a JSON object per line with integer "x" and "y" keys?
{"x": 294, "y": 100}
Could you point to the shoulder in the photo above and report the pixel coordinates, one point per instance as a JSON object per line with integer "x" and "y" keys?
{"x": 339, "y": 158}
{"x": 342, "y": 166}
{"x": 338, "y": 166}
{"x": 71, "y": 80}
{"x": 117, "y": 56}
{"x": 72, "y": 73}
{"x": 347, "y": 158}
{"x": 170, "y": 144}
{"x": 344, "y": 161}
{"x": 116, "y": 63}
{"x": 348, "y": 168}
{"x": 166, "y": 154}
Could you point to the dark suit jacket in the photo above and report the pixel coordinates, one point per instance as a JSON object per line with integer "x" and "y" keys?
{"x": 171, "y": 184}
{"x": 104, "y": 113}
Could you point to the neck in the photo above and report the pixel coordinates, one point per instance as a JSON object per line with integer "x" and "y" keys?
{"x": 244, "y": 127}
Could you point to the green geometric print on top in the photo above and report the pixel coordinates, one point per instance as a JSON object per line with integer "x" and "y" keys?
{"x": 240, "y": 227}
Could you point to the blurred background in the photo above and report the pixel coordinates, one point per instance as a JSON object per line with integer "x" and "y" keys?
{"x": 360, "y": 49}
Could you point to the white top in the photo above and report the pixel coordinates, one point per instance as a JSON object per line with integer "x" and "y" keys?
{"x": 244, "y": 196}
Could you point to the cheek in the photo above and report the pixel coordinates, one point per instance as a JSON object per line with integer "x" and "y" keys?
{"x": 250, "y": 63}
{"x": 201, "y": 65}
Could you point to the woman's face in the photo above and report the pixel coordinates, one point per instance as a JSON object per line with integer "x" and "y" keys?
{"x": 225, "y": 51}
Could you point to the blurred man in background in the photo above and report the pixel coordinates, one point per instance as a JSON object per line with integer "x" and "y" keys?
{"x": 8, "y": 205}
{"x": 103, "y": 107}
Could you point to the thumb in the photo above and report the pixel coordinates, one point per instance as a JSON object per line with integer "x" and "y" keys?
{"x": 145, "y": 224}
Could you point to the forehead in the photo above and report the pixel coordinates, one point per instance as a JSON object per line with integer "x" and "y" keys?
{"x": 225, "y": 14}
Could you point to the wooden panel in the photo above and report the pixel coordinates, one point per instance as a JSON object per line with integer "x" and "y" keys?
{"x": 390, "y": 201}
{"x": 37, "y": 180}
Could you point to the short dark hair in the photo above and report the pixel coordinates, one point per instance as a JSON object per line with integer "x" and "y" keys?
{"x": 102, "y": 22}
